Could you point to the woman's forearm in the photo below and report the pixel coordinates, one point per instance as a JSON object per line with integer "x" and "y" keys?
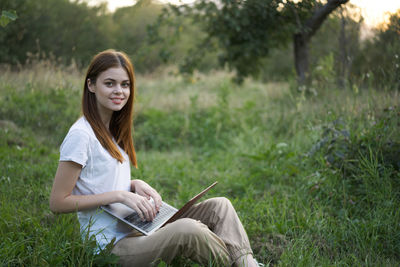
{"x": 74, "y": 203}
{"x": 61, "y": 198}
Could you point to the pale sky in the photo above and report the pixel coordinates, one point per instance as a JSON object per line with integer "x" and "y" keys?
{"x": 373, "y": 11}
{"x": 114, "y": 4}
{"x": 376, "y": 11}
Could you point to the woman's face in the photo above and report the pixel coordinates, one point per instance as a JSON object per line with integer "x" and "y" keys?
{"x": 112, "y": 90}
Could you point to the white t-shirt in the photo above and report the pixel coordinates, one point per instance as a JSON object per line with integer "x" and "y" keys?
{"x": 100, "y": 173}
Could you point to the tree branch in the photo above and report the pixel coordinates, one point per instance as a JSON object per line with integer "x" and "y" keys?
{"x": 316, "y": 20}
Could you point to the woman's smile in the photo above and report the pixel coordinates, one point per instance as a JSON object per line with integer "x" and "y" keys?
{"x": 117, "y": 100}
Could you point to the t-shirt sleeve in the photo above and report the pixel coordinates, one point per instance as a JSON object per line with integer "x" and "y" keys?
{"x": 75, "y": 147}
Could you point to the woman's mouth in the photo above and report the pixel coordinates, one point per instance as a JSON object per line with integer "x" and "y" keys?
{"x": 117, "y": 101}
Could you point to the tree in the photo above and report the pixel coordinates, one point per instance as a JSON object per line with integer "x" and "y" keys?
{"x": 378, "y": 63}
{"x": 246, "y": 30}
{"x": 307, "y": 27}
{"x": 131, "y": 23}
{"x": 339, "y": 38}
{"x": 60, "y": 28}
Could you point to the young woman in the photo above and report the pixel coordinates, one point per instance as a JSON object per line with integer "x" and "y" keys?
{"x": 94, "y": 170}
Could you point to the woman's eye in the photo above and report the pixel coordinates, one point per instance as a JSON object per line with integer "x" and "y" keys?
{"x": 125, "y": 85}
{"x": 108, "y": 84}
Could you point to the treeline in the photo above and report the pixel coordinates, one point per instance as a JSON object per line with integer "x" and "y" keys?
{"x": 72, "y": 31}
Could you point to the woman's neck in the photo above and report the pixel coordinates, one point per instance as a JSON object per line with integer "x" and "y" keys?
{"x": 105, "y": 116}
{"x": 105, "y": 119}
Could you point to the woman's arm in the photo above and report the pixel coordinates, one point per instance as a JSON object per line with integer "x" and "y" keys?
{"x": 62, "y": 200}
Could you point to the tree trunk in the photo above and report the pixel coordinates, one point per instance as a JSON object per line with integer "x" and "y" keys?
{"x": 302, "y": 38}
{"x": 301, "y": 57}
{"x": 343, "y": 54}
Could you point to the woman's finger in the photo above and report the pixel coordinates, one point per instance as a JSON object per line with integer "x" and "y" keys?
{"x": 153, "y": 209}
{"x": 157, "y": 199}
{"x": 145, "y": 212}
{"x": 139, "y": 212}
{"x": 150, "y": 211}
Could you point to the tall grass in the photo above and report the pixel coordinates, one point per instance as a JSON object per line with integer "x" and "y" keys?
{"x": 314, "y": 177}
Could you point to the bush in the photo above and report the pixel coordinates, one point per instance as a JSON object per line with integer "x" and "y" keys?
{"x": 359, "y": 170}
{"x": 343, "y": 149}
{"x": 47, "y": 113}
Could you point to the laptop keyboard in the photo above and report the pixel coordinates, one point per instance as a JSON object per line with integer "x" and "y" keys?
{"x": 164, "y": 212}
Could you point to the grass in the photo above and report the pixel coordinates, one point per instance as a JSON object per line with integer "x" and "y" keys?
{"x": 314, "y": 177}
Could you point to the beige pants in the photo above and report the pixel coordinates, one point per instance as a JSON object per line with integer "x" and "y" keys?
{"x": 208, "y": 231}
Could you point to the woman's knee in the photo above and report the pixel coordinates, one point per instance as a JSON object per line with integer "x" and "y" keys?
{"x": 188, "y": 227}
{"x": 220, "y": 202}
{"x": 196, "y": 241}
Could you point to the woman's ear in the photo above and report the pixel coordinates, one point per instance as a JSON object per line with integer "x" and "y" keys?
{"x": 90, "y": 85}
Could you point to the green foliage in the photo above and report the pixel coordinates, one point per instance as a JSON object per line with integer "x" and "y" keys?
{"x": 64, "y": 29}
{"x": 6, "y": 17}
{"x": 324, "y": 74}
{"x": 244, "y": 31}
{"x": 249, "y": 37}
{"x": 378, "y": 63}
{"x": 344, "y": 148}
{"x": 31, "y": 234}
{"x": 242, "y": 36}
{"x": 179, "y": 36}
{"x": 131, "y": 35}
{"x": 278, "y": 65}
{"x": 47, "y": 112}
{"x": 315, "y": 179}
{"x": 71, "y": 32}
{"x": 330, "y": 60}
{"x": 207, "y": 129}
{"x": 155, "y": 129}
{"x": 360, "y": 183}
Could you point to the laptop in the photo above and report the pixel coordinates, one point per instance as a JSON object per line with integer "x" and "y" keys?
{"x": 166, "y": 214}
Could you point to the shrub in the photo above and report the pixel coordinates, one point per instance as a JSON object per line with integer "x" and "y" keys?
{"x": 48, "y": 113}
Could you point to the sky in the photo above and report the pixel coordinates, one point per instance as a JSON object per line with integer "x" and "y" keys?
{"x": 373, "y": 11}
{"x": 114, "y": 4}
{"x": 376, "y": 11}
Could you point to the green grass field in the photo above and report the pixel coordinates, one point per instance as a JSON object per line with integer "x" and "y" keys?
{"x": 314, "y": 176}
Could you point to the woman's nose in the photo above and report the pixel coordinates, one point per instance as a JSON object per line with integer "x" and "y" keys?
{"x": 118, "y": 89}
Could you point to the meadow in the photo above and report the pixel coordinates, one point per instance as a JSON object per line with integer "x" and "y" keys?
{"x": 314, "y": 175}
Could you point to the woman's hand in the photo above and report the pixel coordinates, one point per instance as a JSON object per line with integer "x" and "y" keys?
{"x": 62, "y": 200}
{"x": 142, "y": 188}
{"x": 145, "y": 209}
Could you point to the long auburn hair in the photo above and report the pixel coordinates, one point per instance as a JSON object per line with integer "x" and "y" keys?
{"x": 121, "y": 121}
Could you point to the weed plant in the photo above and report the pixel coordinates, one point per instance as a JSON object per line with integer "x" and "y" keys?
{"x": 314, "y": 177}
